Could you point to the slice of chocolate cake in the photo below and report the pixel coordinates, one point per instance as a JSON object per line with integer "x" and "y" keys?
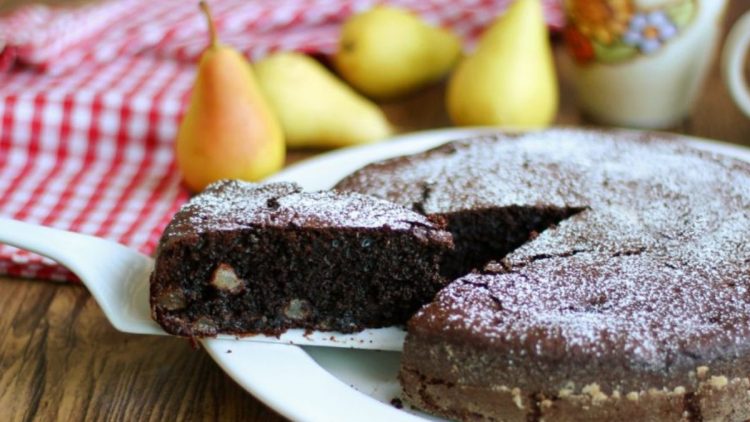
{"x": 243, "y": 258}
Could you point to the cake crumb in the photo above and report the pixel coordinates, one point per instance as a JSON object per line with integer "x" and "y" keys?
{"x": 595, "y": 392}
{"x": 719, "y": 382}
{"x": 516, "y": 392}
{"x": 397, "y": 403}
{"x": 564, "y": 392}
{"x": 702, "y": 371}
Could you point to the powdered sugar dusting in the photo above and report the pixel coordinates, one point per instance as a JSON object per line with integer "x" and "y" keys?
{"x": 653, "y": 274}
{"x": 230, "y": 205}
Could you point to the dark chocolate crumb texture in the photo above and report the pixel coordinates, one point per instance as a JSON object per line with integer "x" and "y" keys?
{"x": 243, "y": 258}
{"x": 611, "y": 282}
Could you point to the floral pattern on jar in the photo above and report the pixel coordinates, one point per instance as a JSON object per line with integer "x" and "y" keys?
{"x": 611, "y": 31}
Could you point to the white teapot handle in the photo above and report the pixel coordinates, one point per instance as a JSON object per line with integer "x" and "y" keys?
{"x": 733, "y": 62}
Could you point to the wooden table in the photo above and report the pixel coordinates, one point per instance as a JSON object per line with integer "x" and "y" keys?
{"x": 61, "y": 360}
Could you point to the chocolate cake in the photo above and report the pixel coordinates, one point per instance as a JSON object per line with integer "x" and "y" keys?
{"x": 612, "y": 278}
{"x": 242, "y": 258}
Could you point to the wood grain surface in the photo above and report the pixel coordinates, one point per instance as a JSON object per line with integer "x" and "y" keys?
{"x": 61, "y": 360}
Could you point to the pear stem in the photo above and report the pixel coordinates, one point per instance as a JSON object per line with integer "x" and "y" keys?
{"x": 211, "y": 27}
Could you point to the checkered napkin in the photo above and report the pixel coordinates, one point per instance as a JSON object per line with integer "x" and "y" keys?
{"x": 91, "y": 98}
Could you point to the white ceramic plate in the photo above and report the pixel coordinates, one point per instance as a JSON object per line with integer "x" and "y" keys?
{"x": 325, "y": 384}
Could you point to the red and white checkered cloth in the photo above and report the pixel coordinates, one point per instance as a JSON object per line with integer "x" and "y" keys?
{"x": 91, "y": 97}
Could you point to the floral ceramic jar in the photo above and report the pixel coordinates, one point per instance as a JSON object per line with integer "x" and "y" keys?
{"x": 641, "y": 63}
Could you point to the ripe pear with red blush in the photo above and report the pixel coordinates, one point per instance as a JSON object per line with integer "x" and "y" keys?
{"x": 229, "y": 131}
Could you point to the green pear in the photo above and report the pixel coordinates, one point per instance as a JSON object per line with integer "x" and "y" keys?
{"x": 388, "y": 52}
{"x": 229, "y": 130}
{"x": 510, "y": 80}
{"x": 315, "y": 108}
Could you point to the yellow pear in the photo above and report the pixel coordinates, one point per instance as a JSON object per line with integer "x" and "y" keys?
{"x": 228, "y": 131}
{"x": 388, "y": 52}
{"x": 315, "y": 108}
{"x": 510, "y": 80}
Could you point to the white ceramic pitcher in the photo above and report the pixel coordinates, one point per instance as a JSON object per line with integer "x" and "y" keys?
{"x": 641, "y": 63}
{"x": 733, "y": 62}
